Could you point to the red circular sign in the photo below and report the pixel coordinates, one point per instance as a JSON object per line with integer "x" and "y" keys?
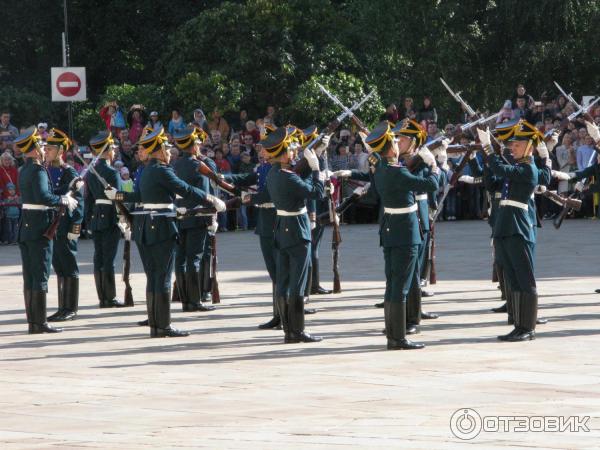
{"x": 68, "y": 84}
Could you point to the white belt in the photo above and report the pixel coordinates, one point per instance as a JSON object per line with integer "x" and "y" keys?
{"x": 265, "y": 205}
{"x": 497, "y": 194}
{"x": 514, "y": 203}
{"x": 421, "y": 197}
{"x": 283, "y": 212}
{"x": 170, "y": 206}
{"x": 35, "y": 207}
{"x": 102, "y": 201}
{"x": 411, "y": 208}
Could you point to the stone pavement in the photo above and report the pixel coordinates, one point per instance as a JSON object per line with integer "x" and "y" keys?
{"x": 103, "y": 383}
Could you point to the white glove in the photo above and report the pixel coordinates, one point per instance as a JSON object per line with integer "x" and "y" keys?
{"x": 342, "y": 173}
{"x": 553, "y": 141}
{"x": 360, "y": 189}
{"x": 593, "y": 131}
{"x": 72, "y": 236}
{"x": 313, "y": 224}
{"x": 444, "y": 145}
{"x": 217, "y": 203}
{"x": 77, "y": 184}
{"x": 426, "y": 156}
{"x": 562, "y": 176}
{"x": 181, "y": 210}
{"x": 542, "y": 150}
{"x": 484, "y": 137}
{"x": 319, "y": 149}
{"x": 571, "y": 175}
{"x": 442, "y": 158}
{"x": 69, "y": 201}
{"x": 312, "y": 159}
{"x": 466, "y": 179}
{"x": 330, "y": 189}
{"x": 579, "y": 186}
{"x": 124, "y": 227}
{"x": 213, "y": 227}
{"x": 110, "y": 192}
{"x": 540, "y": 189}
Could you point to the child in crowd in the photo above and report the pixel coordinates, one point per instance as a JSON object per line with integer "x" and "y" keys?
{"x": 12, "y": 213}
{"x": 126, "y": 180}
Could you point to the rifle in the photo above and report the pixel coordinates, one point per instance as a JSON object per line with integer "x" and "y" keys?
{"x": 416, "y": 160}
{"x": 208, "y": 172}
{"x": 336, "y": 235}
{"x": 214, "y": 284}
{"x": 580, "y": 109}
{"x": 301, "y": 167}
{"x": 324, "y": 218}
{"x": 128, "y": 298}
{"x": 50, "y": 232}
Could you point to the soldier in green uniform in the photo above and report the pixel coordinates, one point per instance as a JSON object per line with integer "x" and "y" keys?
{"x": 103, "y": 220}
{"x": 315, "y": 209}
{"x": 64, "y": 256}
{"x": 157, "y": 231}
{"x": 591, "y": 173}
{"x": 37, "y": 215}
{"x": 399, "y": 231}
{"x": 292, "y": 236}
{"x": 192, "y": 229}
{"x": 493, "y": 185}
{"x": 513, "y": 231}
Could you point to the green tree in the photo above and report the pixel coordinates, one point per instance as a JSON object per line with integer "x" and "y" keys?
{"x": 213, "y": 91}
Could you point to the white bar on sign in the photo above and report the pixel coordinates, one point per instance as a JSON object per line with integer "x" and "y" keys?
{"x": 65, "y": 84}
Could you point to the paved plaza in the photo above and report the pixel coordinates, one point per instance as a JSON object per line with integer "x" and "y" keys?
{"x": 103, "y": 383}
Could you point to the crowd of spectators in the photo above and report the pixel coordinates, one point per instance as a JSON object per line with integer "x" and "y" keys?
{"x": 233, "y": 143}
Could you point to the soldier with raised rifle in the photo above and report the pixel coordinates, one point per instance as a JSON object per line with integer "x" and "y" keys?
{"x": 157, "y": 230}
{"x": 513, "y": 231}
{"x": 292, "y": 237}
{"x": 64, "y": 255}
{"x": 36, "y": 249}
{"x": 399, "y": 231}
{"x": 192, "y": 229}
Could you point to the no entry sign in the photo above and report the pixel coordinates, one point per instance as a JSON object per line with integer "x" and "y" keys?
{"x": 68, "y": 84}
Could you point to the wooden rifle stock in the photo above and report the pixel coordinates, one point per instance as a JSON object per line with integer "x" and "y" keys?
{"x": 128, "y": 296}
{"x": 432, "y": 271}
{"x": 207, "y": 172}
{"x": 50, "y": 233}
{"x": 214, "y": 283}
{"x": 335, "y": 243}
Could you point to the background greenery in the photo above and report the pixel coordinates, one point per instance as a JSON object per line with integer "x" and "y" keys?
{"x": 248, "y": 54}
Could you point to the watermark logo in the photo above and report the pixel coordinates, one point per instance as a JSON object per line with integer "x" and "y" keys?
{"x": 466, "y": 424}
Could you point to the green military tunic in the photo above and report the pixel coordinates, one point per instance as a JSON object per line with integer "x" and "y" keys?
{"x": 64, "y": 257}
{"x": 292, "y": 233}
{"x": 36, "y": 250}
{"x": 399, "y": 231}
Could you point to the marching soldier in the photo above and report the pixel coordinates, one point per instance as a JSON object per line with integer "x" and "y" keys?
{"x": 192, "y": 230}
{"x": 399, "y": 231}
{"x": 157, "y": 231}
{"x": 103, "y": 222}
{"x": 64, "y": 256}
{"x": 292, "y": 235}
{"x": 513, "y": 232}
{"x": 315, "y": 208}
{"x": 36, "y": 249}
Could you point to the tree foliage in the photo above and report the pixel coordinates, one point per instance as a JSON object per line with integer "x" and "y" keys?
{"x": 258, "y": 52}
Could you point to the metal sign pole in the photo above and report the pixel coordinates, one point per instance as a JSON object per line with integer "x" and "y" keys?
{"x": 66, "y": 61}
